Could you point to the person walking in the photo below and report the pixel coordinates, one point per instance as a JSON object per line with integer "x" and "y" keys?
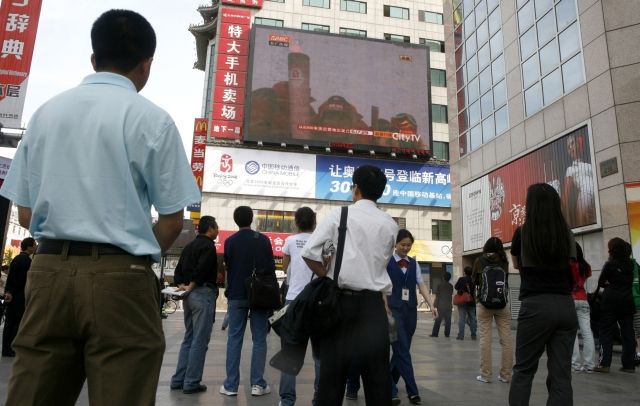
{"x": 541, "y": 250}
{"x": 196, "y": 273}
{"x": 92, "y": 162}
{"x": 443, "y": 306}
{"x": 405, "y": 277}
{"x": 14, "y": 297}
{"x": 580, "y": 272}
{"x": 466, "y": 311}
{"x": 484, "y": 269}
{"x": 617, "y": 306}
{"x": 245, "y": 251}
{"x": 298, "y": 275}
{"x": 362, "y": 335}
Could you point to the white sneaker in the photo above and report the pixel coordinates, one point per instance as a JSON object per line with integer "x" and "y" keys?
{"x": 224, "y": 391}
{"x": 503, "y": 379}
{"x": 257, "y": 390}
{"x": 481, "y": 379}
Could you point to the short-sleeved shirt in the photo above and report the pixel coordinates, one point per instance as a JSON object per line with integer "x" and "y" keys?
{"x": 299, "y": 274}
{"x": 93, "y": 161}
{"x": 397, "y": 258}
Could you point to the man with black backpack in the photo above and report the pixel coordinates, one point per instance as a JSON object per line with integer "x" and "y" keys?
{"x": 490, "y": 277}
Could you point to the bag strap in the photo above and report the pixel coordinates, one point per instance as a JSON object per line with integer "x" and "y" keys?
{"x": 254, "y": 248}
{"x": 342, "y": 234}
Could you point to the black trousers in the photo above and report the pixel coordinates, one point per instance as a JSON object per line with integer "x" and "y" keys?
{"x": 362, "y": 337}
{"x": 443, "y": 314}
{"x": 546, "y": 322}
{"x": 608, "y": 320}
{"x": 13, "y": 312}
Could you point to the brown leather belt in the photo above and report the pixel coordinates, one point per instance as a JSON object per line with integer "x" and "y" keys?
{"x": 78, "y": 248}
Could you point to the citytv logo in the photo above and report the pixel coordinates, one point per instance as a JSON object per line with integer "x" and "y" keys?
{"x": 252, "y": 167}
{"x": 226, "y": 163}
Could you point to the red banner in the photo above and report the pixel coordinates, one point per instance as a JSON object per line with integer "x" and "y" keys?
{"x": 234, "y": 31}
{"x": 244, "y": 3}
{"x": 18, "y": 37}
{"x": 277, "y": 241}
{"x": 233, "y": 15}
{"x": 231, "y": 79}
{"x": 198, "y": 149}
{"x": 227, "y": 129}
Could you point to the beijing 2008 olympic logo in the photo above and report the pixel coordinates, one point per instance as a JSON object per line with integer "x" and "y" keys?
{"x": 252, "y": 167}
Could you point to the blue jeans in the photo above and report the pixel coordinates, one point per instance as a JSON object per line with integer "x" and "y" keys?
{"x": 288, "y": 382}
{"x": 238, "y": 311}
{"x": 466, "y": 312}
{"x": 199, "y": 308}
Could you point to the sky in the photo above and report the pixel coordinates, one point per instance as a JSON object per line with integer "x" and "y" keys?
{"x": 62, "y": 54}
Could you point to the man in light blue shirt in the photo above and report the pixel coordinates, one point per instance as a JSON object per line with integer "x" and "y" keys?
{"x": 93, "y": 161}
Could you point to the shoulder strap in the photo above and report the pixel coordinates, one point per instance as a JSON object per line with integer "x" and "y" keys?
{"x": 254, "y": 248}
{"x": 342, "y": 233}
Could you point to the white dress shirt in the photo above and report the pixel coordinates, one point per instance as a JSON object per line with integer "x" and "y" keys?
{"x": 369, "y": 242}
{"x": 397, "y": 258}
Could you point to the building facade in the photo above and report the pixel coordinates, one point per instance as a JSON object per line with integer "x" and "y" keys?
{"x": 543, "y": 91}
{"x": 415, "y": 22}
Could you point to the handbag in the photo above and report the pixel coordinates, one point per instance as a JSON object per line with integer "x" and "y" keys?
{"x": 263, "y": 290}
{"x": 462, "y": 298}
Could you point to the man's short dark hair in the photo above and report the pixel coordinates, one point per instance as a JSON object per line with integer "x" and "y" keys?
{"x": 121, "y": 39}
{"x": 205, "y": 223}
{"x": 370, "y": 180}
{"x": 243, "y": 216}
{"x": 27, "y": 243}
{"x": 446, "y": 276}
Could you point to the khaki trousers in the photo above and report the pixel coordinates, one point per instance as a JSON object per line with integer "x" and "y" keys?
{"x": 503, "y": 323}
{"x": 88, "y": 317}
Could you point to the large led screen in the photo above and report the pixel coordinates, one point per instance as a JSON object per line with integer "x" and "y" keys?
{"x": 321, "y": 89}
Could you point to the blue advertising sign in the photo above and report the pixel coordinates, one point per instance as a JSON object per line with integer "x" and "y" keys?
{"x": 411, "y": 183}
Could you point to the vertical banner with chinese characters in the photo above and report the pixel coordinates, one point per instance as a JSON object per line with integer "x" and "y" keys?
{"x": 19, "y": 29}
{"x": 198, "y": 149}
{"x": 231, "y": 74}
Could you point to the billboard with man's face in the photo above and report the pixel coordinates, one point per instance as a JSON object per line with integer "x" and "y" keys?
{"x": 321, "y": 89}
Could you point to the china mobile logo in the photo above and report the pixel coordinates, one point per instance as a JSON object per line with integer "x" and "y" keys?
{"x": 226, "y": 163}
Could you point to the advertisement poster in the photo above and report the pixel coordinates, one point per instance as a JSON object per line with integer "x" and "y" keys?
{"x": 321, "y": 89}
{"x": 276, "y": 239}
{"x": 475, "y": 214}
{"x": 272, "y": 173}
{"x": 633, "y": 210}
{"x": 18, "y": 36}
{"x": 566, "y": 164}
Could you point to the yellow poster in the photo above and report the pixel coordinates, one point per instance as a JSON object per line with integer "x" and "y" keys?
{"x": 633, "y": 210}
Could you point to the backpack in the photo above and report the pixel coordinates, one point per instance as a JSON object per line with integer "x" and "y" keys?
{"x": 494, "y": 288}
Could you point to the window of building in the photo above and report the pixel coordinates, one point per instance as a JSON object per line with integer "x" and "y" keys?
{"x": 275, "y": 221}
{"x": 315, "y": 27}
{"x": 353, "y": 6}
{"x": 438, "y": 78}
{"x": 268, "y": 21}
{"x": 441, "y": 230}
{"x": 434, "y": 45}
{"x": 317, "y": 3}
{"x": 439, "y": 113}
{"x": 430, "y": 17}
{"x": 396, "y": 12}
{"x": 441, "y": 150}
{"x": 400, "y": 221}
{"x": 550, "y": 51}
{"x": 353, "y": 32}
{"x": 397, "y": 38}
{"x": 480, "y": 75}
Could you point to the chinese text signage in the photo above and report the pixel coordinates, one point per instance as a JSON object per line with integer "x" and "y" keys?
{"x": 19, "y": 19}
{"x": 198, "y": 150}
{"x": 244, "y": 3}
{"x": 276, "y": 239}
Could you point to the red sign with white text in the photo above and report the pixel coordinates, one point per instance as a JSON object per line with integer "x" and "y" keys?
{"x": 277, "y": 241}
{"x": 231, "y": 79}
{"x": 198, "y": 149}
{"x": 234, "y": 31}
{"x": 233, "y": 46}
{"x": 18, "y": 37}
{"x": 233, "y": 15}
{"x": 229, "y": 95}
{"x": 244, "y": 3}
{"x": 232, "y": 63}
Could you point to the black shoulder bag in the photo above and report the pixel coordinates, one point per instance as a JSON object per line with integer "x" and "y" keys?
{"x": 263, "y": 291}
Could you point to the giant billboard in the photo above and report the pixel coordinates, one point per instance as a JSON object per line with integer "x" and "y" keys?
{"x": 321, "y": 89}
{"x": 494, "y": 205}
{"x": 272, "y": 173}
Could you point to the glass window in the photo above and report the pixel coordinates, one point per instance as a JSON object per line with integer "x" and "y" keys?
{"x": 569, "y": 42}
{"x": 497, "y": 67}
{"x": 486, "y": 104}
{"x": 530, "y": 71}
{"x": 474, "y": 113}
{"x": 500, "y": 94}
{"x": 463, "y": 122}
{"x": 533, "y": 99}
{"x": 481, "y": 12}
{"x": 460, "y": 78}
{"x": 484, "y": 56}
{"x": 549, "y": 57}
{"x": 460, "y": 55}
{"x": 468, "y": 6}
{"x": 397, "y": 38}
{"x": 438, "y": 78}
{"x": 439, "y": 113}
{"x": 552, "y": 87}
{"x": 268, "y": 21}
{"x": 482, "y": 33}
{"x": 528, "y": 43}
{"x": 441, "y": 230}
{"x": 491, "y": 4}
{"x": 526, "y": 17}
{"x": 565, "y": 13}
{"x": 275, "y": 221}
{"x": 542, "y": 6}
{"x": 315, "y": 27}
{"x": 496, "y": 45}
{"x": 471, "y": 44}
{"x": 546, "y": 28}
{"x": 502, "y": 120}
{"x": 434, "y": 46}
{"x": 353, "y": 6}
{"x": 572, "y": 73}
{"x": 317, "y": 3}
{"x": 441, "y": 150}
{"x": 353, "y": 32}
{"x": 472, "y": 66}
{"x": 485, "y": 80}
{"x": 396, "y": 12}
{"x": 469, "y": 24}
{"x": 473, "y": 90}
{"x": 476, "y": 137}
{"x": 457, "y": 16}
{"x": 494, "y": 22}
{"x": 488, "y": 129}
{"x": 519, "y": 3}
{"x": 430, "y": 17}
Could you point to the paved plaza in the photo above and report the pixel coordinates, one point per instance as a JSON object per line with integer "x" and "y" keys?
{"x": 445, "y": 370}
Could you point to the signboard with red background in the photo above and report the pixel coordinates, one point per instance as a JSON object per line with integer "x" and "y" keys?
{"x": 17, "y": 38}
{"x": 277, "y": 241}
{"x": 231, "y": 71}
{"x": 198, "y": 150}
{"x": 244, "y": 3}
